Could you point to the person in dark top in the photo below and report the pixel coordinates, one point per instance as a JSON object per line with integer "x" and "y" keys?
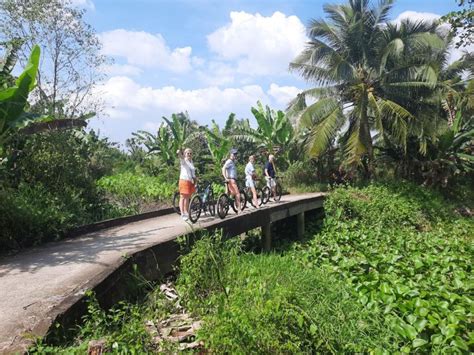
{"x": 270, "y": 173}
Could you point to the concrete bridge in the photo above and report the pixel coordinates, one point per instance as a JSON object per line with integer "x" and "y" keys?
{"x": 45, "y": 285}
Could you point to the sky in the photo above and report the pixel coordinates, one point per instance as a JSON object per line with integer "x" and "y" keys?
{"x": 206, "y": 57}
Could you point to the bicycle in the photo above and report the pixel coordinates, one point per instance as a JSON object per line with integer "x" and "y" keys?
{"x": 176, "y": 197}
{"x": 203, "y": 200}
{"x": 278, "y": 190}
{"x": 225, "y": 201}
{"x": 249, "y": 195}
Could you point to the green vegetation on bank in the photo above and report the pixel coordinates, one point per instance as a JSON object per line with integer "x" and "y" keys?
{"x": 390, "y": 269}
{"x": 134, "y": 191}
{"x": 405, "y": 251}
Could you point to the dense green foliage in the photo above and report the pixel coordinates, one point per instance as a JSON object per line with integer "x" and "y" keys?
{"x": 402, "y": 250}
{"x": 44, "y": 194}
{"x": 133, "y": 191}
{"x": 378, "y": 76}
{"x": 270, "y": 304}
{"x": 389, "y": 269}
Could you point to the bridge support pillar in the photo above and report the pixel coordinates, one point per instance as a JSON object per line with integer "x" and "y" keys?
{"x": 300, "y": 225}
{"x": 267, "y": 236}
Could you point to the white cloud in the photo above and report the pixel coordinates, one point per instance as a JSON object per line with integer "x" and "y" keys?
{"x": 454, "y": 53}
{"x": 259, "y": 45}
{"x": 216, "y": 74}
{"x": 121, "y": 69}
{"x": 282, "y": 95}
{"x": 123, "y": 94}
{"x": 417, "y": 16}
{"x": 146, "y": 50}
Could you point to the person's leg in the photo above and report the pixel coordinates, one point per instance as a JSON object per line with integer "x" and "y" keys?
{"x": 186, "y": 203}
{"x": 181, "y": 205}
{"x": 254, "y": 194}
{"x": 235, "y": 191}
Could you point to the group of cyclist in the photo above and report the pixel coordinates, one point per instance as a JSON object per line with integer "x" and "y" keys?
{"x": 187, "y": 178}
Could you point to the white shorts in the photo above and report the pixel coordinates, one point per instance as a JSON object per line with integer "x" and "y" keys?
{"x": 249, "y": 182}
{"x": 270, "y": 182}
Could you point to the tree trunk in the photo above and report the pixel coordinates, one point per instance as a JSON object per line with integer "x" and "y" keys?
{"x": 366, "y": 137}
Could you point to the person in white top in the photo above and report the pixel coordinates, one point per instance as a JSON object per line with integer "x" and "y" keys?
{"x": 187, "y": 180}
{"x": 229, "y": 171}
{"x": 250, "y": 177}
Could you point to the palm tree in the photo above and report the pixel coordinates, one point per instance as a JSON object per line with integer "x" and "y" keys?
{"x": 370, "y": 71}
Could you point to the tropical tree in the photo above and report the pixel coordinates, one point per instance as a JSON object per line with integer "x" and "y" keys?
{"x": 461, "y": 23}
{"x": 173, "y": 134}
{"x": 370, "y": 71}
{"x": 13, "y": 99}
{"x": 274, "y": 134}
{"x": 71, "y": 57}
{"x": 7, "y": 63}
{"x": 15, "y": 111}
{"x": 219, "y": 142}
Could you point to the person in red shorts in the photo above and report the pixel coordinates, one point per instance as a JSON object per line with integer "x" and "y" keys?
{"x": 187, "y": 180}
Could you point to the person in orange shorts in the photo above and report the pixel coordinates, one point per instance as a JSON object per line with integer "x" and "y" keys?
{"x": 187, "y": 180}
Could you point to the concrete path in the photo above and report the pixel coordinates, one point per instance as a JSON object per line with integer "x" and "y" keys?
{"x": 34, "y": 282}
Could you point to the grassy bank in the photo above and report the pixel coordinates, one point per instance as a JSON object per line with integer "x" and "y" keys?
{"x": 390, "y": 269}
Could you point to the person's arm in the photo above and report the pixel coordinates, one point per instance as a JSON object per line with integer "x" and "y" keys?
{"x": 224, "y": 172}
{"x": 180, "y": 153}
{"x": 266, "y": 171}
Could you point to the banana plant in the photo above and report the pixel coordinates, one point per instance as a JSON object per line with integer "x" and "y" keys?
{"x": 219, "y": 142}
{"x": 14, "y": 99}
{"x": 173, "y": 134}
{"x": 8, "y": 62}
{"x": 161, "y": 144}
{"x": 452, "y": 154}
{"x": 275, "y": 132}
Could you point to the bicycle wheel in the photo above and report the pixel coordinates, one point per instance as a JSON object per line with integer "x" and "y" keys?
{"x": 260, "y": 197}
{"x": 249, "y": 196}
{"x": 266, "y": 193}
{"x": 278, "y": 192}
{"x": 223, "y": 205}
{"x": 211, "y": 203}
{"x": 243, "y": 202}
{"x": 176, "y": 203}
{"x": 195, "y": 208}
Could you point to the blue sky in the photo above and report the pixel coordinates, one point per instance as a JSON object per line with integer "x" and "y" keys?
{"x": 208, "y": 57}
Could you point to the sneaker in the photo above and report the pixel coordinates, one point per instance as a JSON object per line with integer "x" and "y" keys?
{"x": 184, "y": 217}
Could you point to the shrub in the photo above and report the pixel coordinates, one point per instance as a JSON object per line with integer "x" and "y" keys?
{"x": 403, "y": 252}
{"x": 132, "y": 190}
{"x": 300, "y": 173}
{"x": 31, "y": 215}
{"x": 270, "y": 304}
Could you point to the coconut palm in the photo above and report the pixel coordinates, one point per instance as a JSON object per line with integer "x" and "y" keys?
{"x": 370, "y": 71}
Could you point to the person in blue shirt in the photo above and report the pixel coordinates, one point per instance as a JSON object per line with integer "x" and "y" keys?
{"x": 229, "y": 171}
{"x": 270, "y": 173}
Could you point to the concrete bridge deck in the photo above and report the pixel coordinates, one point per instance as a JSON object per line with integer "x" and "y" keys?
{"x": 39, "y": 285}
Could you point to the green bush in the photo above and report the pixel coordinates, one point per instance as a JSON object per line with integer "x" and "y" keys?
{"x": 271, "y": 304}
{"x": 403, "y": 251}
{"x": 300, "y": 173}
{"x": 132, "y": 190}
{"x": 31, "y": 215}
